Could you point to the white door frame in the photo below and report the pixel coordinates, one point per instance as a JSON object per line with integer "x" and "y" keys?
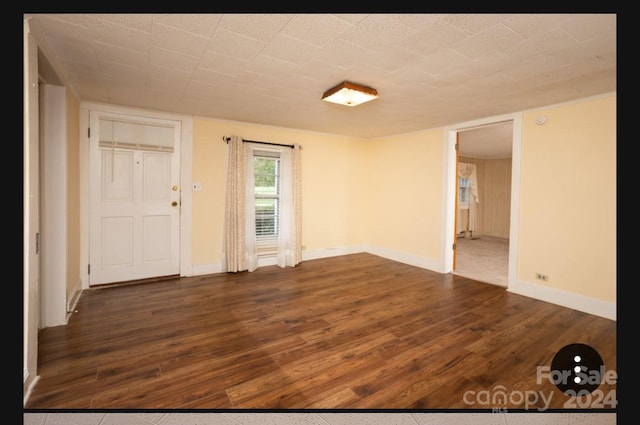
{"x": 186, "y": 145}
{"x": 449, "y": 185}
{"x": 53, "y": 208}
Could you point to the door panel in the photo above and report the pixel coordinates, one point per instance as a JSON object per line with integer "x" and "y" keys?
{"x": 135, "y": 207}
{"x": 117, "y": 242}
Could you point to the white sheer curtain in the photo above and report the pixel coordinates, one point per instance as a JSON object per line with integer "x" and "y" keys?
{"x": 234, "y": 257}
{"x": 289, "y": 238}
{"x": 239, "y": 237}
{"x": 468, "y": 171}
{"x": 250, "y": 211}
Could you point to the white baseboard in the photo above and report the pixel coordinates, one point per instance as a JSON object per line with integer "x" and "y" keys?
{"x": 202, "y": 269}
{"x": 565, "y": 299}
{"x": 28, "y": 386}
{"x": 331, "y": 252}
{"x": 75, "y": 296}
{"x": 405, "y": 257}
{"x": 73, "y": 300}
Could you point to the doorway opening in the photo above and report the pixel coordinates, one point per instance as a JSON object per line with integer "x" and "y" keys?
{"x": 481, "y": 217}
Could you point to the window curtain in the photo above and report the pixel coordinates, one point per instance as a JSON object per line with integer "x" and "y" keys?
{"x": 289, "y": 238}
{"x": 239, "y": 237}
{"x": 468, "y": 171}
{"x": 250, "y": 210}
{"x": 235, "y": 255}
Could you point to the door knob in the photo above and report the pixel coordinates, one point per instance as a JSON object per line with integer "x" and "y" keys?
{"x": 174, "y": 203}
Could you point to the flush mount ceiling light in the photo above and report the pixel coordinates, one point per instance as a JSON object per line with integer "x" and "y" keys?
{"x": 350, "y": 94}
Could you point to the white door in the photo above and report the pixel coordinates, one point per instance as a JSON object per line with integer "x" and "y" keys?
{"x": 134, "y": 189}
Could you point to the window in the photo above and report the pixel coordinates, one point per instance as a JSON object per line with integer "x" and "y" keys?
{"x": 464, "y": 191}
{"x": 262, "y": 208}
{"x": 266, "y": 169}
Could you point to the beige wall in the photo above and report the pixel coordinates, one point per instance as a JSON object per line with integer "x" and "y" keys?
{"x": 568, "y": 198}
{"x": 385, "y": 195}
{"x": 333, "y": 193}
{"x": 494, "y": 191}
{"x": 567, "y": 165}
{"x": 404, "y": 183}
{"x": 209, "y": 156}
{"x": 73, "y": 194}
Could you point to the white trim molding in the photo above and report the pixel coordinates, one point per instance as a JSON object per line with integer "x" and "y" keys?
{"x": 212, "y": 268}
{"x": 30, "y": 387}
{"x": 331, "y": 252}
{"x": 406, "y": 258}
{"x": 565, "y": 299}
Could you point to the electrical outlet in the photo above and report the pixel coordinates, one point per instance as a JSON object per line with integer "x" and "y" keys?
{"x": 542, "y": 277}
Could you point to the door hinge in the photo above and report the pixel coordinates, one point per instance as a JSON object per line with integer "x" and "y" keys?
{"x": 37, "y": 243}
{"x": 88, "y": 268}
{"x": 89, "y": 132}
{"x": 454, "y": 247}
{"x": 456, "y": 145}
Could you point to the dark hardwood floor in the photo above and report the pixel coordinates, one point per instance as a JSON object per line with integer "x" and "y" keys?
{"x": 350, "y": 332}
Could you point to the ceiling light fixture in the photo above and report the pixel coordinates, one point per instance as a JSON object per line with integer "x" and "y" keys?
{"x": 350, "y": 94}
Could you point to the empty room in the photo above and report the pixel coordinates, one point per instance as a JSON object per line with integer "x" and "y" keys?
{"x": 292, "y": 211}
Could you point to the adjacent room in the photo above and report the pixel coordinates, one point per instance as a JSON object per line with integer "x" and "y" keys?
{"x": 317, "y": 211}
{"x": 482, "y": 228}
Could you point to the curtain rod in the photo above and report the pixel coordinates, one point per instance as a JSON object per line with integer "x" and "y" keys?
{"x": 226, "y": 139}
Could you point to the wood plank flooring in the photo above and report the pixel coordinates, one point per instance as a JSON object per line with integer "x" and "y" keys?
{"x": 349, "y": 332}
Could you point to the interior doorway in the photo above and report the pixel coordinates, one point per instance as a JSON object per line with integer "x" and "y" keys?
{"x": 483, "y": 206}
{"x": 484, "y": 247}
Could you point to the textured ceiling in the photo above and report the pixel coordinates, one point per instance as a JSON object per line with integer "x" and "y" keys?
{"x": 430, "y": 70}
